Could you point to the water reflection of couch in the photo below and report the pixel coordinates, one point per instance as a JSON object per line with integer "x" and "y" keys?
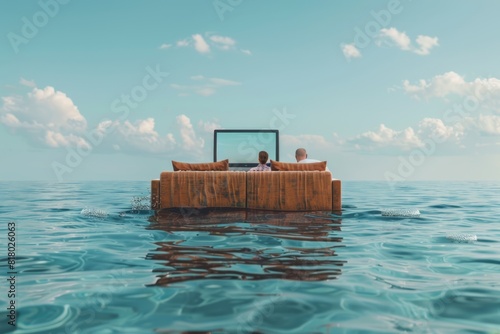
{"x": 227, "y": 244}
{"x": 276, "y": 190}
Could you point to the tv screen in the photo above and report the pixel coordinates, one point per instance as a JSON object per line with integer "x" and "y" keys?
{"x": 242, "y": 147}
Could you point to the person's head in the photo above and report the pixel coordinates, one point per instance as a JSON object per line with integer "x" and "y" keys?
{"x": 300, "y": 154}
{"x": 263, "y": 157}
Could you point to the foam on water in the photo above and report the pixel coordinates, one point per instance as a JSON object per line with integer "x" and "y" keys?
{"x": 462, "y": 237}
{"x": 400, "y": 212}
{"x": 139, "y": 203}
{"x": 91, "y": 212}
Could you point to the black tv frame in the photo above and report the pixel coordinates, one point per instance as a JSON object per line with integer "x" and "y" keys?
{"x": 235, "y": 164}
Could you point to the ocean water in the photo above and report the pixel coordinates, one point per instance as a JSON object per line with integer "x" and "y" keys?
{"x": 91, "y": 257}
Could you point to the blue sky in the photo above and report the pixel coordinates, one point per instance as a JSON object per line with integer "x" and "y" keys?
{"x": 382, "y": 90}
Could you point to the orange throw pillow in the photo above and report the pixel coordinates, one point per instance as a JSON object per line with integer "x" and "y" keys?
{"x": 206, "y": 166}
{"x": 295, "y": 166}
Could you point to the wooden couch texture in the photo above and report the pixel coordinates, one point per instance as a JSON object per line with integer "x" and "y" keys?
{"x": 275, "y": 191}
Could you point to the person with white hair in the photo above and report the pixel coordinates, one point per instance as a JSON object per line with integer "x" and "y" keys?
{"x": 302, "y": 157}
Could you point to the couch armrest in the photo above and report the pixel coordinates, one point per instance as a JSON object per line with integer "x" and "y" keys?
{"x": 155, "y": 194}
{"x": 336, "y": 195}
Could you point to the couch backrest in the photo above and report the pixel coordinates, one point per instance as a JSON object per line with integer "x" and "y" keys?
{"x": 289, "y": 191}
{"x": 209, "y": 189}
{"x": 280, "y": 191}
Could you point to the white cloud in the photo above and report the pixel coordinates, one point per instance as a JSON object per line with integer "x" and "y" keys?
{"x": 209, "y": 126}
{"x": 46, "y": 116}
{"x": 50, "y": 118}
{"x": 350, "y": 51}
{"x": 387, "y": 140}
{"x": 488, "y": 124}
{"x": 224, "y": 82}
{"x": 430, "y": 135}
{"x": 27, "y": 83}
{"x": 394, "y": 37}
{"x": 182, "y": 43}
{"x": 138, "y": 136}
{"x": 200, "y": 45}
{"x": 204, "y": 45}
{"x": 57, "y": 139}
{"x": 205, "y": 91}
{"x": 10, "y": 121}
{"x": 439, "y": 86}
{"x": 425, "y": 43}
{"x": 385, "y": 137}
{"x": 452, "y": 83}
{"x": 204, "y": 86}
{"x": 223, "y": 42}
{"x": 141, "y": 136}
{"x": 165, "y": 46}
{"x": 435, "y": 129}
{"x": 189, "y": 139}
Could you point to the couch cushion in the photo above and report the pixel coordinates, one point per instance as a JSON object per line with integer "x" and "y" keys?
{"x": 206, "y": 166}
{"x": 290, "y": 191}
{"x": 203, "y": 189}
{"x": 295, "y": 166}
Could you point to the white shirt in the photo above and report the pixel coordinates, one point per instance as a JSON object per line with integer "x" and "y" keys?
{"x": 260, "y": 168}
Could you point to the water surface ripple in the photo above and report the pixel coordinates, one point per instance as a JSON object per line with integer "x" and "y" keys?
{"x": 91, "y": 257}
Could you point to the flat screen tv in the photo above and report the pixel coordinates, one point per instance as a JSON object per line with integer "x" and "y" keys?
{"x": 242, "y": 147}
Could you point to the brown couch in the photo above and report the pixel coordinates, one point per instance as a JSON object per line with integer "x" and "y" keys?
{"x": 277, "y": 190}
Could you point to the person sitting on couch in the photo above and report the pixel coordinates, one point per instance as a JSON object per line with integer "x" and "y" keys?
{"x": 301, "y": 157}
{"x": 262, "y": 167}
